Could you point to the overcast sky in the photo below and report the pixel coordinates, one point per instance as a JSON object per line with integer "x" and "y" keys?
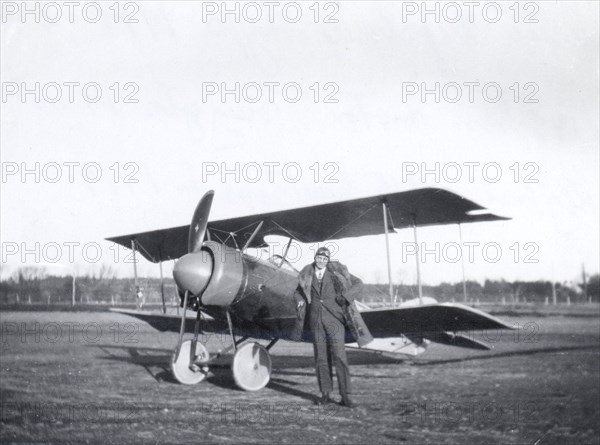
{"x": 510, "y": 118}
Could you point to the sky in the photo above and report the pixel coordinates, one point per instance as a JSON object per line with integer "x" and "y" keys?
{"x": 117, "y": 117}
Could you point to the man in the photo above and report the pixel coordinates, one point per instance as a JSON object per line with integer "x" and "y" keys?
{"x": 140, "y": 297}
{"x": 325, "y": 287}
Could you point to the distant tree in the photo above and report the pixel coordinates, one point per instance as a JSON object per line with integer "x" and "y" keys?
{"x": 564, "y": 293}
{"x": 28, "y": 279}
{"x": 495, "y": 290}
{"x": 8, "y": 290}
{"x": 593, "y": 287}
{"x": 30, "y": 273}
{"x": 474, "y": 291}
{"x": 532, "y": 291}
{"x": 446, "y": 292}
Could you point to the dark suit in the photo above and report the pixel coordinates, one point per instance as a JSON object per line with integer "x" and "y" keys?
{"x": 330, "y": 311}
{"x": 328, "y": 330}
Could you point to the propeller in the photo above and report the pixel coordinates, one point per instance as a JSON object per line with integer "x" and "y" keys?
{"x": 199, "y": 222}
{"x": 192, "y": 271}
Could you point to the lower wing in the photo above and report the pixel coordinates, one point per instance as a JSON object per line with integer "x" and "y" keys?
{"x": 397, "y": 330}
{"x": 172, "y": 322}
{"x": 408, "y": 330}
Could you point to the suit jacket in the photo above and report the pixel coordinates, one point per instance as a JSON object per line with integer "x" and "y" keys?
{"x": 345, "y": 290}
{"x": 326, "y": 292}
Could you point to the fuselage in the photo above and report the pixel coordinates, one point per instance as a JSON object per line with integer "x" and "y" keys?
{"x": 258, "y": 293}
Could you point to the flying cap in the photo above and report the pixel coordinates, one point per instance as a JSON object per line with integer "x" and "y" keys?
{"x": 323, "y": 251}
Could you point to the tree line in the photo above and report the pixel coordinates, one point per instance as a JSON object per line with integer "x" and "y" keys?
{"x": 34, "y": 286}
{"x": 494, "y": 291}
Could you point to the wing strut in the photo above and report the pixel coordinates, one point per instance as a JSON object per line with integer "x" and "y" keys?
{"x": 287, "y": 247}
{"x": 462, "y": 263}
{"x": 418, "y": 260}
{"x": 175, "y": 296}
{"x": 387, "y": 250}
{"x": 162, "y": 284}
{"x": 135, "y": 275}
{"x": 252, "y": 236}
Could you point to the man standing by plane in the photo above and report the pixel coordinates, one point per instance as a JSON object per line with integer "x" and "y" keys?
{"x": 325, "y": 287}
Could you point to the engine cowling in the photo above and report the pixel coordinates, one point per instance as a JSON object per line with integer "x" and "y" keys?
{"x": 215, "y": 273}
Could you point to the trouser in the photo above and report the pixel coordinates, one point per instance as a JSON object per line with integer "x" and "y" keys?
{"x": 328, "y": 340}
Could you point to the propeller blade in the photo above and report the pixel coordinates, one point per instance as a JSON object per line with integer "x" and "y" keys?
{"x": 199, "y": 222}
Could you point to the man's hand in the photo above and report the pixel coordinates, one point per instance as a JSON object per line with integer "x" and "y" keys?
{"x": 299, "y": 305}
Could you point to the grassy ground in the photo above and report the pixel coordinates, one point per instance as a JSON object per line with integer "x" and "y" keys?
{"x": 99, "y": 377}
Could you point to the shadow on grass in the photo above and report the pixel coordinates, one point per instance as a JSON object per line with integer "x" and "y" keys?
{"x": 507, "y": 354}
{"x": 290, "y": 365}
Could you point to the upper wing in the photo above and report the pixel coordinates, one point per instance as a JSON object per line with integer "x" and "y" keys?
{"x": 343, "y": 219}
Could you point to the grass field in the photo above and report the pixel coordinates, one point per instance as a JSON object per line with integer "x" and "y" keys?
{"x": 97, "y": 377}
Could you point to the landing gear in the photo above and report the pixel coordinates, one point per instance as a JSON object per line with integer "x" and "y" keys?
{"x": 251, "y": 367}
{"x": 188, "y": 370}
{"x": 189, "y": 364}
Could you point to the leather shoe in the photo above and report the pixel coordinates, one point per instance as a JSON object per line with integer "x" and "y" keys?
{"x": 324, "y": 399}
{"x": 347, "y": 402}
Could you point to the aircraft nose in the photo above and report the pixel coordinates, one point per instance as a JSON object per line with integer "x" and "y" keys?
{"x": 192, "y": 272}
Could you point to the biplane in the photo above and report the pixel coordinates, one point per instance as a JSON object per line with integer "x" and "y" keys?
{"x": 224, "y": 289}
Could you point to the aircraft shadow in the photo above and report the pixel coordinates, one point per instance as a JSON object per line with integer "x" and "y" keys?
{"x": 220, "y": 374}
{"x": 145, "y": 357}
{"x": 424, "y": 362}
{"x": 289, "y": 365}
{"x": 283, "y": 366}
{"x": 276, "y": 384}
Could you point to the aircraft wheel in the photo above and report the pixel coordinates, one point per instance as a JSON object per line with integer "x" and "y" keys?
{"x": 181, "y": 368}
{"x": 251, "y": 367}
